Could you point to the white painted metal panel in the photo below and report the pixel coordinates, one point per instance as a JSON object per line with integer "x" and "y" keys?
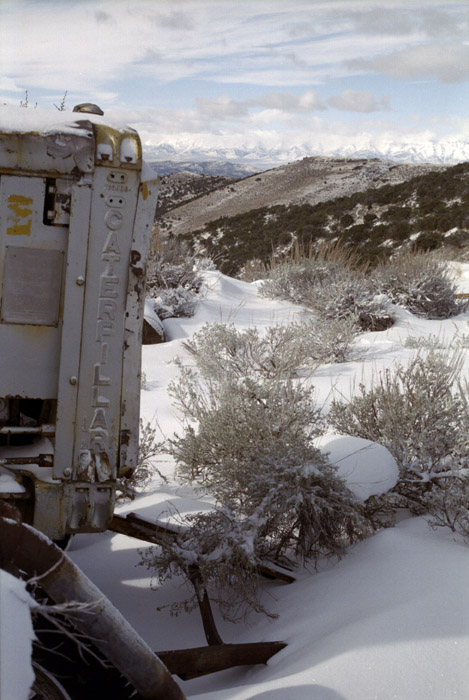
{"x": 100, "y": 374}
{"x": 31, "y": 281}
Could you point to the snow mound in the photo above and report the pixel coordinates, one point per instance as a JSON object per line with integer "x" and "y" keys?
{"x": 16, "y": 635}
{"x": 368, "y": 468}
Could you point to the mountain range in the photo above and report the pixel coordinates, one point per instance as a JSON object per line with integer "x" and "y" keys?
{"x": 240, "y": 162}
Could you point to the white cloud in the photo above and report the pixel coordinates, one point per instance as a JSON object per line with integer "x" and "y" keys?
{"x": 223, "y": 107}
{"x": 286, "y": 102}
{"x": 411, "y": 19}
{"x": 85, "y": 46}
{"x": 448, "y": 63}
{"x": 357, "y": 101}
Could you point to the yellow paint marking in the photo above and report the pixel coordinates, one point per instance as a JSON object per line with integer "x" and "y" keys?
{"x": 19, "y": 210}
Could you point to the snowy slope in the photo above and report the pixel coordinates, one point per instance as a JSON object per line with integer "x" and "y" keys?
{"x": 391, "y": 620}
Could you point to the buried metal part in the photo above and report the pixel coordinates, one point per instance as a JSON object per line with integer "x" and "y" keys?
{"x": 23, "y": 548}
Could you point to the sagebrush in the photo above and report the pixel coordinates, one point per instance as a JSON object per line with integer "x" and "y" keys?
{"x": 248, "y": 442}
{"x": 149, "y": 448}
{"x": 332, "y": 289}
{"x": 173, "y": 285}
{"x": 421, "y": 283}
{"x": 420, "y": 413}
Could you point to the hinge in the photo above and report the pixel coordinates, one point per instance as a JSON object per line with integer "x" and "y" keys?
{"x": 57, "y": 202}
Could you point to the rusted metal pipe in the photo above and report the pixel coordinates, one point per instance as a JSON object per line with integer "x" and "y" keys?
{"x": 24, "y": 548}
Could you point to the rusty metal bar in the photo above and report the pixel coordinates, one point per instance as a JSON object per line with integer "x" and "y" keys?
{"x": 46, "y": 430}
{"x": 199, "y": 661}
{"x": 24, "y": 548}
{"x": 41, "y": 460}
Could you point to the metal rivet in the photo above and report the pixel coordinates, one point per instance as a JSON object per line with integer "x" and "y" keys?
{"x": 67, "y": 471}
{"x": 73, "y": 380}
{"x": 80, "y": 281}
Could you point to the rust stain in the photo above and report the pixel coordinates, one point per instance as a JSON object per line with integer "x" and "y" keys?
{"x": 145, "y": 190}
{"x": 19, "y": 211}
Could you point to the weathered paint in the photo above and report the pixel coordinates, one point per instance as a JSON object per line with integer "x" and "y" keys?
{"x": 19, "y": 218}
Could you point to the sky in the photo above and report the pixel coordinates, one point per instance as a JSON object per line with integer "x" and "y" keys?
{"x": 248, "y": 74}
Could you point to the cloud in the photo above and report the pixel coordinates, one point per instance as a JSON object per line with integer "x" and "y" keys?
{"x": 274, "y": 62}
{"x": 408, "y": 19}
{"x": 286, "y": 102}
{"x": 90, "y": 47}
{"x": 103, "y": 17}
{"x": 448, "y": 63}
{"x": 357, "y": 101}
{"x": 225, "y": 107}
{"x": 175, "y": 20}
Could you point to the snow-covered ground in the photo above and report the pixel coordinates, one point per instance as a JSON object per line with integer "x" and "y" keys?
{"x": 390, "y": 620}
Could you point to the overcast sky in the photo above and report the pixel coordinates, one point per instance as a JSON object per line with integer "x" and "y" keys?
{"x": 237, "y": 74}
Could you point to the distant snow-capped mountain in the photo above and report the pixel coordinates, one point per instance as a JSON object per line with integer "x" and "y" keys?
{"x": 259, "y": 158}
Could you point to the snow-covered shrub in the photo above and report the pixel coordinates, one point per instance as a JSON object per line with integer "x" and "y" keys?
{"x": 221, "y": 348}
{"x": 168, "y": 275}
{"x": 148, "y": 449}
{"x": 248, "y": 442}
{"x": 174, "y": 302}
{"x": 432, "y": 341}
{"x": 174, "y": 287}
{"x": 222, "y": 550}
{"x": 421, "y": 283}
{"x": 291, "y": 279}
{"x": 289, "y": 506}
{"x": 420, "y": 413}
{"x": 328, "y": 340}
{"x": 232, "y": 422}
{"x": 279, "y": 352}
{"x": 347, "y": 293}
{"x": 331, "y": 289}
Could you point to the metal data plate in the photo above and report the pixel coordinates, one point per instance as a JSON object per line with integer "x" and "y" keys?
{"x": 32, "y": 282}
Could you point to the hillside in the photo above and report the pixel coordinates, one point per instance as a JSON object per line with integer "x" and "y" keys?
{"x": 179, "y": 188}
{"x": 218, "y": 168}
{"x": 308, "y": 181}
{"x": 426, "y": 210}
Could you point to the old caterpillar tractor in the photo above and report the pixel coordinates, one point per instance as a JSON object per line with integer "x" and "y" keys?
{"x": 77, "y": 205}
